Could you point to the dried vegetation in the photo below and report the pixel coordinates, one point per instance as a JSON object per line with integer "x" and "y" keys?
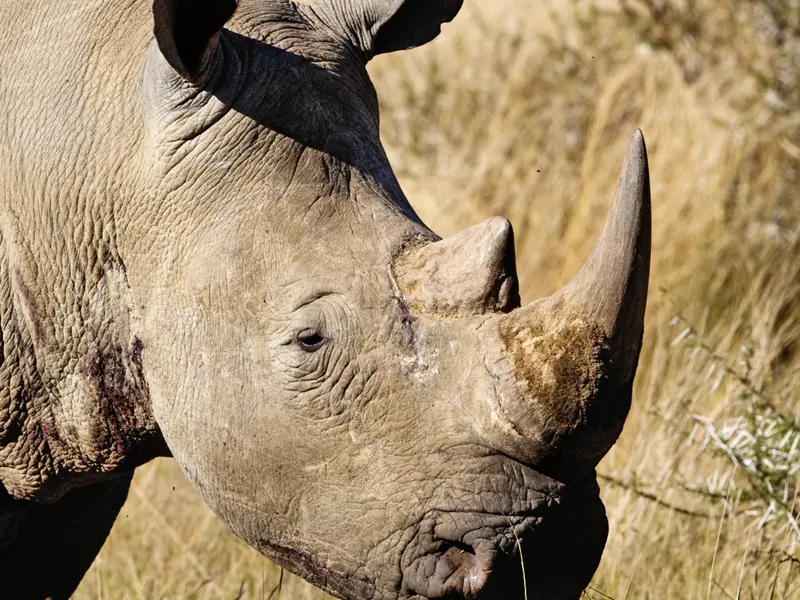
{"x": 524, "y": 108}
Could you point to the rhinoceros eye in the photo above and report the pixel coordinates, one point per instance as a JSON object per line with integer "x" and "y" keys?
{"x": 309, "y": 340}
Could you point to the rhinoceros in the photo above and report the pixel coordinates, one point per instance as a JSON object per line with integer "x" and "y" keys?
{"x": 206, "y": 255}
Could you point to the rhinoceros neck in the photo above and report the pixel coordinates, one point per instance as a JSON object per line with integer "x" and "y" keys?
{"x": 74, "y": 404}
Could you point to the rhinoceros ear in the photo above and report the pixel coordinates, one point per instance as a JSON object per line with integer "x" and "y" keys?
{"x": 186, "y": 31}
{"x": 379, "y": 26}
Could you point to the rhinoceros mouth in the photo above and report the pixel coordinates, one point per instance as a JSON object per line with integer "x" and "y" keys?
{"x": 480, "y": 556}
{"x": 462, "y": 567}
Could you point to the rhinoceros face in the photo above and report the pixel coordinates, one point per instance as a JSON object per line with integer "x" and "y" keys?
{"x": 359, "y": 400}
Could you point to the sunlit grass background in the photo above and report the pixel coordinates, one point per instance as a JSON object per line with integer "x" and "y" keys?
{"x": 524, "y": 108}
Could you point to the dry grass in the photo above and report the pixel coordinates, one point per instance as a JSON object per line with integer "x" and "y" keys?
{"x": 524, "y": 109}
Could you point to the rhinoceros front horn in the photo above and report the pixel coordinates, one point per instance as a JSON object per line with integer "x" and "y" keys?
{"x": 573, "y": 356}
{"x": 611, "y": 288}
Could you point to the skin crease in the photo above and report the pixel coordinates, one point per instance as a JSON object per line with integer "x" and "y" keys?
{"x": 209, "y": 271}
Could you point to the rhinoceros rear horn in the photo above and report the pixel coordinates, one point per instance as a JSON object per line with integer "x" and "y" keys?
{"x": 186, "y": 31}
{"x": 611, "y": 288}
{"x": 468, "y": 274}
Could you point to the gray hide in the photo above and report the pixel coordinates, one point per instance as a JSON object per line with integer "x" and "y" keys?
{"x": 204, "y": 253}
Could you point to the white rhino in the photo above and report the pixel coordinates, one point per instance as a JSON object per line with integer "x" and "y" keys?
{"x": 206, "y": 254}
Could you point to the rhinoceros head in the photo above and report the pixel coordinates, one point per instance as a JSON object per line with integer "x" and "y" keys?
{"x": 361, "y": 401}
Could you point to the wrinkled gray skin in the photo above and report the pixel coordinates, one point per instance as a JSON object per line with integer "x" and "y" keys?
{"x": 205, "y": 253}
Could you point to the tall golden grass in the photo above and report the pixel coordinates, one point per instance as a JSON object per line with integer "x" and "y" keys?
{"x": 524, "y": 108}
